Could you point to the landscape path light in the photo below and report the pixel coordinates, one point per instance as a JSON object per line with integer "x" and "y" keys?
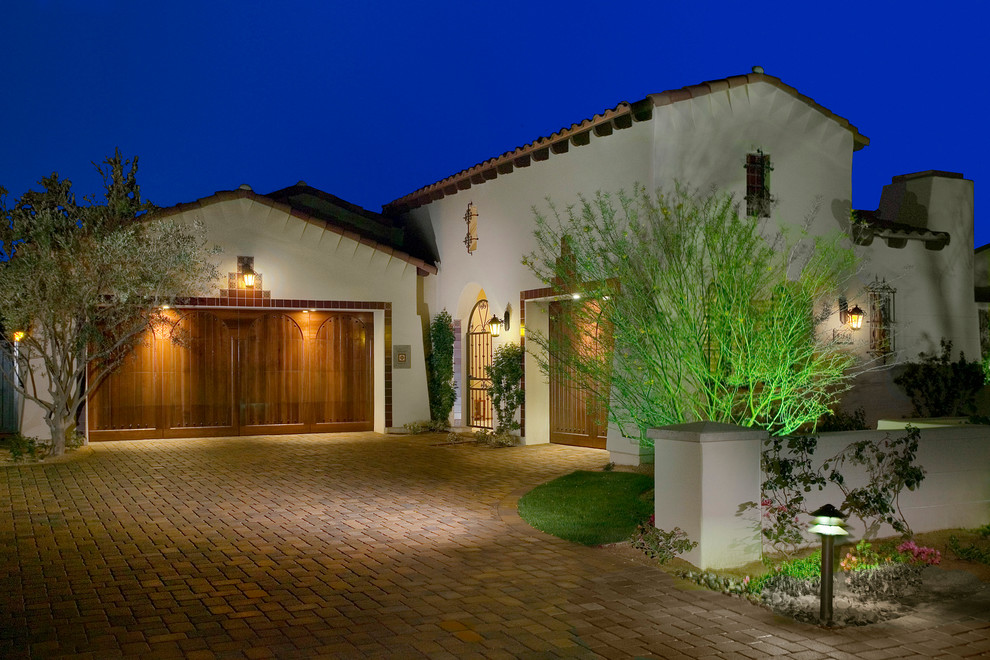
{"x": 828, "y": 523}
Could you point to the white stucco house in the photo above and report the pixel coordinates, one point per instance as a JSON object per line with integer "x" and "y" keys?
{"x": 915, "y": 285}
{"x": 330, "y": 333}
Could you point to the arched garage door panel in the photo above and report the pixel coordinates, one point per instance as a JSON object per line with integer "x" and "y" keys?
{"x": 245, "y": 372}
{"x": 197, "y": 368}
{"x": 270, "y": 367}
{"x": 128, "y": 400}
{"x": 342, "y": 388}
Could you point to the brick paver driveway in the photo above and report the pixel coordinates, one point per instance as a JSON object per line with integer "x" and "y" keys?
{"x": 357, "y": 545}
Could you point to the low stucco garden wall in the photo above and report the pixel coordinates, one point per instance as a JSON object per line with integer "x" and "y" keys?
{"x": 706, "y": 471}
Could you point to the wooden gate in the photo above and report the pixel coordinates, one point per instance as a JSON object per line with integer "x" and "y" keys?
{"x": 242, "y": 372}
{"x": 479, "y": 356}
{"x": 575, "y": 416}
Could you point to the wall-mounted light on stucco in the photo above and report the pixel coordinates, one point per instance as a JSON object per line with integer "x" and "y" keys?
{"x": 850, "y": 317}
{"x": 856, "y": 318}
{"x": 18, "y": 335}
{"x": 496, "y": 325}
{"x": 245, "y": 268}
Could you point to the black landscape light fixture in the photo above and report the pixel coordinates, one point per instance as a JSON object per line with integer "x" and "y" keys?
{"x": 829, "y": 523}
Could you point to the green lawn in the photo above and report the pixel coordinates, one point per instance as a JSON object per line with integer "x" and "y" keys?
{"x": 591, "y": 508}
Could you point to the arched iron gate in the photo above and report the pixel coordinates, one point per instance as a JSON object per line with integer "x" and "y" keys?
{"x": 479, "y": 356}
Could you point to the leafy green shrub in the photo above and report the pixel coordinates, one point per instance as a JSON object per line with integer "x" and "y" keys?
{"x": 662, "y": 545}
{"x": 21, "y": 447}
{"x": 863, "y": 558}
{"x": 939, "y": 387}
{"x": 440, "y": 367}
{"x": 840, "y": 420}
{"x": 506, "y": 391}
{"x": 427, "y": 426}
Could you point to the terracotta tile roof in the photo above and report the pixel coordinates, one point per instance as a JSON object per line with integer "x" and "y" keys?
{"x": 620, "y": 117}
{"x": 870, "y": 225}
{"x": 316, "y": 207}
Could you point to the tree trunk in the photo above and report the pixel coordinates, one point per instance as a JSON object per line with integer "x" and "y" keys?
{"x": 60, "y": 427}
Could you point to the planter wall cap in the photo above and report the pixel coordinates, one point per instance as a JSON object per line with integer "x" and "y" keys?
{"x": 706, "y": 432}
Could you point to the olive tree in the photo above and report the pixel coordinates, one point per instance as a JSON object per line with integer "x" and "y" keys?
{"x": 709, "y": 314}
{"x": 80, "y": 283}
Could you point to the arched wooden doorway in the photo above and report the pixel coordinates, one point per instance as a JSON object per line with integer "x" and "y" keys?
{"x": 479, "y": 356}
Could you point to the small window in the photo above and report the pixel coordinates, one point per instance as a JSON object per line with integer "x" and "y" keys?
{"x": 881, "y": 319}
{"x": 471, "y": 219}
{"x": 758, "y": 199}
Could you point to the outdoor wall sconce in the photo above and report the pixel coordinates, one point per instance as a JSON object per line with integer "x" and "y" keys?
{"x": 851, "y": 317}
{"x": 245, "y": 268}
{"x": 828, "y": 524}
{"x": 855, "y": 318}
{"x": 497, "y": 325}
{"x": 18, "y": 335}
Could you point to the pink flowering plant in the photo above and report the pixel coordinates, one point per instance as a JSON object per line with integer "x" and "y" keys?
{"x": 916, "y": 554}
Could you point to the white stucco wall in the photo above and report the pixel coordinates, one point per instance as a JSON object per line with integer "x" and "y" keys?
{"x": 299, "y": 260}
{"x": 700, "y": 142}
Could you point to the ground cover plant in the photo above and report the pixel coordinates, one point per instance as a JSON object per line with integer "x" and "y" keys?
{"x": 591, "y": 508}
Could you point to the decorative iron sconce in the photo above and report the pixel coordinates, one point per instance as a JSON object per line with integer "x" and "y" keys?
{"x": 851, "y": 317}
{"x": 856, "y": 318}
{"x": 497, "y": 325}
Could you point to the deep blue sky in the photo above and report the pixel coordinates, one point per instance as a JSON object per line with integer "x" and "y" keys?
{"x": 371, "y": 100}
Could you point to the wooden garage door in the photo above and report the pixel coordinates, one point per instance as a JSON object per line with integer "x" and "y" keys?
{"x": 575, "y": 419}
{"x": 223, "y": 372}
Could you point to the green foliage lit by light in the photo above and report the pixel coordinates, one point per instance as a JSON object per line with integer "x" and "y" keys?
{"x": 440, "y": 367}
{"x": 712, "y": 315}
{"x": 506, "y": 391}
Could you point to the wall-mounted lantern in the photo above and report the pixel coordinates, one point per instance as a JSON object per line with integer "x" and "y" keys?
{"x": 248, "y": 278}
{"x": 855, "y": 318}
{"x": 497, "y": 325}
{"x": 850, "y": 317}
{"x": 245, "y": 270}
{"x": 828, "y": 523}
{"x": 18, "y": 335}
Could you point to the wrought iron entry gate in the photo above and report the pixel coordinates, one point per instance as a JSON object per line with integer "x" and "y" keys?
{"x": 479, "y": 356}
